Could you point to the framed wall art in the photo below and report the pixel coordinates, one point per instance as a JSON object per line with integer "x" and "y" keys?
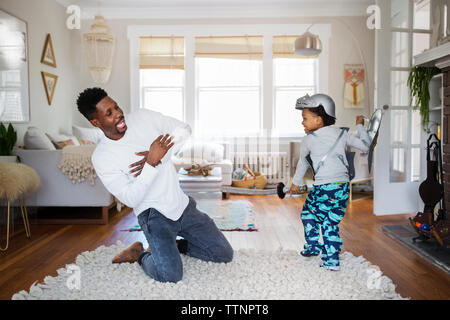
{"x": 49, "y": 85}
{"x": 354, "y": 86}
{"x": 48, "y": 54}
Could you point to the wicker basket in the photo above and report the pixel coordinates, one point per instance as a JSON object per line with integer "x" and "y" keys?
{"x": 258, "y": 182}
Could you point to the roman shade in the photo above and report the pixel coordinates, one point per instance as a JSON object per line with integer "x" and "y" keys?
{"x": 229, "y": 47}
{"x": 161, "y": 52}
{"x": 283, "y": 47}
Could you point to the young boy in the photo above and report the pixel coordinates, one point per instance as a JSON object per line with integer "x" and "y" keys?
{"x": 327, "y": 201}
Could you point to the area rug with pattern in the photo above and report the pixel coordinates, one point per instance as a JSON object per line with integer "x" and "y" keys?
{"x": 230, "y": 215}
{"x": 252, "y": 275}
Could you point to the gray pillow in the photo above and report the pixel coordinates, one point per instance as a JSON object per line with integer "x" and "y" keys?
{"x": 36, "y": 139}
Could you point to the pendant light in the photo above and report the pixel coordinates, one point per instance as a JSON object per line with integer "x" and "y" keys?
{"x": 308, "y": 45}
{"x": 99, "y": 45}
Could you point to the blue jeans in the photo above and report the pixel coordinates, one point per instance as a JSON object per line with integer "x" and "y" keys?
{"x": 204, "y": 241}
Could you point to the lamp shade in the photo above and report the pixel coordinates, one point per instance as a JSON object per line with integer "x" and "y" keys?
{"x": 308, "y": 45}
{"x": 99, "y": 45}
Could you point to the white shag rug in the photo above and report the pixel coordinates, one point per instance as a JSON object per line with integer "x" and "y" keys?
{"x": 252, "y": 275}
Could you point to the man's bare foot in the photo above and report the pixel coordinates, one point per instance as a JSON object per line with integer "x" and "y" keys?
{"x": 130, "y": 254}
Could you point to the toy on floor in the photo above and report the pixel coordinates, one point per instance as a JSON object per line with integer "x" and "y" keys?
{"x": 282, "y": 191}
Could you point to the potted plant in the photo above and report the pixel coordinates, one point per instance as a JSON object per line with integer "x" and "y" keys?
{"x": 418, "y": 82}
{"x": 8, "y": 138}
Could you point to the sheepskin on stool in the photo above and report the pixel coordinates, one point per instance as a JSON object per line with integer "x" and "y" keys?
{"x": 17, "y": 179}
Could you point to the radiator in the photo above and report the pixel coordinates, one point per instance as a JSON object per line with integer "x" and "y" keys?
{"x": 273, "y": 165}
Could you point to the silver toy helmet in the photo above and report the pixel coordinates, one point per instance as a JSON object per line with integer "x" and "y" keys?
{"x": 316, "y": 100}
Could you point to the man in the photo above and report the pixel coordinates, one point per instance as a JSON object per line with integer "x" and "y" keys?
{"x": 147, "y": 182}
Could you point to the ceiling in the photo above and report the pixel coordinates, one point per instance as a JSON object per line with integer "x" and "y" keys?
{"x": 202, "y": 3}
{"x": 210, "y": 9}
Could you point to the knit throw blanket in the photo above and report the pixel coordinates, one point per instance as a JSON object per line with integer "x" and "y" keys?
{"x": 76, "y": 163}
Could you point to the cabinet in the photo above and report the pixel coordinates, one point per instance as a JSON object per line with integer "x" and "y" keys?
{"x": 436, "y": 106}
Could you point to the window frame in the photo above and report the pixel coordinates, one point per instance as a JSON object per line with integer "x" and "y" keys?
{"x": 189, "y": 32}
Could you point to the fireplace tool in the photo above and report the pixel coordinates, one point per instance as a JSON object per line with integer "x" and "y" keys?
{"x": 432, "y": 221}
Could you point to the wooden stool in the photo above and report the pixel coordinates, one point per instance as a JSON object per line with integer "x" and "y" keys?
{"x": 16, "y": 179}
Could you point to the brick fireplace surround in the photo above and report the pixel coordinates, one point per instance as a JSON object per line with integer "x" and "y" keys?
{"x": 446, "y": 137}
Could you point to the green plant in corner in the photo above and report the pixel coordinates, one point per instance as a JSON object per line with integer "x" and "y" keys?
{"x": 8, "y": 138}
{"x": 418, "y": 82}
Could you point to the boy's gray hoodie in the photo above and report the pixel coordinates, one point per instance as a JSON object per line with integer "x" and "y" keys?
{"x": 318, "y": 143}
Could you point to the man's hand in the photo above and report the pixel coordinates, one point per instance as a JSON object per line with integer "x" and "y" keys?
{"x": 359, "y": 120}
{"x": 138, "y": 166}
{"x": 158, "y": 150}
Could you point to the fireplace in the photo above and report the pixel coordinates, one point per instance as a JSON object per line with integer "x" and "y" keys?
{"x": 439, "y": 57}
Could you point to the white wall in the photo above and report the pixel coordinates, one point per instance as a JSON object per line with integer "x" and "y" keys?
{"x": 42, "y": 17}
{"x": 342, "y": 51}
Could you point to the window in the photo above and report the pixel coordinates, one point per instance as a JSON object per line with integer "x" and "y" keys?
{"x": 293, "y": 78}
{"x": 237, "y": 80}
{"x": 10, "y": 95}
{"x": 228, "y": 85}
{"x": 163, "y": 91}
{"x": 161, "y": 75}
{"x": 410, "y": 36}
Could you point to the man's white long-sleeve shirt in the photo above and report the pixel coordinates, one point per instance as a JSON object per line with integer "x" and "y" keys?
{"x": 156, "y": 187}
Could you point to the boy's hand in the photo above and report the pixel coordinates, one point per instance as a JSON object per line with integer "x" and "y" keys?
{"x": 360, "y": 120}
{"x": 294, "y": 189}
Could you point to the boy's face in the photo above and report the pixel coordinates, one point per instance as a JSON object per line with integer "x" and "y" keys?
{"x": 311, "y": 121}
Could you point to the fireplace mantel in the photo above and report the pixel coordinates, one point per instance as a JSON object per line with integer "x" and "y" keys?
{"x": 439, "y": 57}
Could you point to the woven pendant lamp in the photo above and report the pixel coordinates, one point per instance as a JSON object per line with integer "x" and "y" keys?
{"x": 99, "y": 45}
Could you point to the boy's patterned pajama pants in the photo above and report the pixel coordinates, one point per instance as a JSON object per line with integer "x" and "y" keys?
{"x": 324, "y": 208}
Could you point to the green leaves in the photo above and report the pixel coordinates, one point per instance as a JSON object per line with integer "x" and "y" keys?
{"x": 8, "y": 138}
{"x": 418, "y": 82}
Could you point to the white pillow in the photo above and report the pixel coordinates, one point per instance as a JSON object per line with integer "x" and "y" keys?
{"x": 91, "y": 134}
{"x": 36, "y": 139}
{"x": 201, "y": 152}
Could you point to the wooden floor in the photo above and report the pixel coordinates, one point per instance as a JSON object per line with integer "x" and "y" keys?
{"x": 53, "y": 246}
